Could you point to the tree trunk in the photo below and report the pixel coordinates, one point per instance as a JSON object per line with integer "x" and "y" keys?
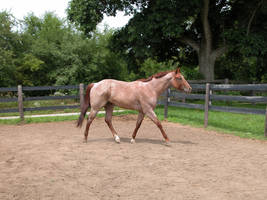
{"x": 206, "y": 65}
{"x": 205, "y": 60}
{"x": 206, "y": 53}
{"x": 206, "y": 56}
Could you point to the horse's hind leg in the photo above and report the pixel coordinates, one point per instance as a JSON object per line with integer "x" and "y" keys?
{"x": 91, "y": 117}
{"x": 108, "y": 119}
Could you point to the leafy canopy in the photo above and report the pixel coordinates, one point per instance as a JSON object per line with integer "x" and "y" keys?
{"x": 197, "y": 32}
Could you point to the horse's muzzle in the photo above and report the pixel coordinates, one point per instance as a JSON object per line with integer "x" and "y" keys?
{"x": 188, "y": 90}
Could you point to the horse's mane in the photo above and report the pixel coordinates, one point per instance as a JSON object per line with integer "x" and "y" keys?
{"x": 157, "y": 75}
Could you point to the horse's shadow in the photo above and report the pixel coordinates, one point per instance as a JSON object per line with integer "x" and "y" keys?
{"x": 157, "y": 141}
{"x": 141, "y": 141}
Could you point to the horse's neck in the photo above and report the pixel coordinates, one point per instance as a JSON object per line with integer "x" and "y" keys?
{"x": 161, "y": 84}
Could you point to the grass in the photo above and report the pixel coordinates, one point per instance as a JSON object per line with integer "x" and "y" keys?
{"x": 243, "y": 125}
{"x": 55, "y": 119}
{"x": 41, "y": 104}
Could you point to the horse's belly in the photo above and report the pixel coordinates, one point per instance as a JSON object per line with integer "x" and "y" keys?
{"x": 126, "y": 102}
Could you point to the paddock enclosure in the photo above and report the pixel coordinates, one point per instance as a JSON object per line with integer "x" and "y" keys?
{"x": 50, "y": 161}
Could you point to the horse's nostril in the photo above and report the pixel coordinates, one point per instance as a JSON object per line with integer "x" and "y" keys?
{"x": 188, "y": 90}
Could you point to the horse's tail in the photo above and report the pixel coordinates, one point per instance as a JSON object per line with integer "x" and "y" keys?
{"x": 85, "y": 105}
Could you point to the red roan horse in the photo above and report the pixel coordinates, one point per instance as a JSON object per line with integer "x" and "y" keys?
{"x": 140, "y": 95}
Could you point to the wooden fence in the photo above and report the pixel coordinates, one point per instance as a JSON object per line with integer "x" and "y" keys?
{"x": 20, "y": 99}
{"x": 168, "y": 100}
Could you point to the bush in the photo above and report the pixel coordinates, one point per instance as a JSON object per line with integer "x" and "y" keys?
{"x": 151, "y": 66}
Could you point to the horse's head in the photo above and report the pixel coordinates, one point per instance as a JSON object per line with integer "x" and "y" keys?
{"x": 178, "y": 81}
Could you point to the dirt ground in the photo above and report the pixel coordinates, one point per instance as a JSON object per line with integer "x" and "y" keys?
{"x": 50, "y": 161}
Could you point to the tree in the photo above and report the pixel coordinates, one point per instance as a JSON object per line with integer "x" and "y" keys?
{"x": 67, "y": 57}
{"x": 160, "y": 28}
{"x": 246, "y": 57}
{"x": 88, "y": 60}
{"x": 50, "y": 51}
{"x": 41, "y": 39}
{"x": 8, "y": 46}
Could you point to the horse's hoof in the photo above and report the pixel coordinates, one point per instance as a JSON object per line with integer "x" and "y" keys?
{"x": 117, "y": 139}
{"x": 132, "y": 141}
{"x": 167, "y": 143}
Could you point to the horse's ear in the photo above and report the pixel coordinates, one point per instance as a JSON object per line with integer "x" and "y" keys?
{"x": 177, "y": 70}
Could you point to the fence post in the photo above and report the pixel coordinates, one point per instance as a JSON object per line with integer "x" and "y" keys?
{"x": 210, "y": 91}
{"x": 81, "y": 92}
{"x": 265, "y": 131}
{"x": 167, "y": 96}
{"x": 20, "y": 103}
{"x": 207, "y": 97}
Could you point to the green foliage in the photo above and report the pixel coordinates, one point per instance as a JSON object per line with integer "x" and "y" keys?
{"x": 191, "y": 74}
{"x": 27, "y": 69}
{"x": 165, "y": 28}
{"x": 246, "y": 58}
{"x": 151, "y": 33}
{"x": 86, "y": 14}
{"x": 7, "y": 68}
{"x": 45, "y": 37}
{"x": 8, "y": 47}
{"x": 49, "y": 51}
{"x": 89, "y": 60}
{"x": 8, "y": 38}
{"x": 151, "y": 66}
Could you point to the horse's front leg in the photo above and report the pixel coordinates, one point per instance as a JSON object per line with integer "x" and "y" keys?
{"x": 138, "y": 124}
{"x": 151, "y": 114}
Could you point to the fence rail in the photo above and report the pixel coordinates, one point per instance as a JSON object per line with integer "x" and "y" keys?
{"x": 20, "y": 99}
{"x": 170, "y": 99}
{"x": 240, "y": 87}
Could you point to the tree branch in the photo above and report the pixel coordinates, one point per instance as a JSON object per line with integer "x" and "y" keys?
{"x": 252, "y": 17}
{"x": 191, "y": 43}
{"x": 218, "y": 52}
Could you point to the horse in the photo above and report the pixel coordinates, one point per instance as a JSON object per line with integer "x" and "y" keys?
{"x": 140, "y": 95}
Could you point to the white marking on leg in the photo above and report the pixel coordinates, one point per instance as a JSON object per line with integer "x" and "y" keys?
{"x": 132, "y": 141}
{"x": 167, "y": 143}
{"x": 117, "y": 138}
